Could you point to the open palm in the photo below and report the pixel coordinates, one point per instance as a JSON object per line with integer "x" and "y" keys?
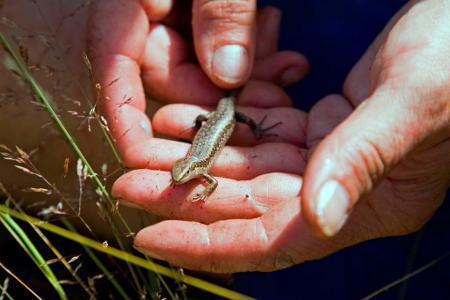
{"x": 390, "y": 157}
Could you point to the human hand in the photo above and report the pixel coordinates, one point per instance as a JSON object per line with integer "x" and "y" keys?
{"x": 394, "y": 148}
{"x": 395, "y": 167}
{"x": 137, "y": 45}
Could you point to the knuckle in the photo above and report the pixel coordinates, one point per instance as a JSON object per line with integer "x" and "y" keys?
{"x": 364, "y": 164}
{"x": 225, "y": 13}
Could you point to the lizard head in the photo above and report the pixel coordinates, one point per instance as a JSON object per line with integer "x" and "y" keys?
{"x": 184, "y": 170}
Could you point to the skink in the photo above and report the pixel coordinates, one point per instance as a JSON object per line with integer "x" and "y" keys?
{"x": 214, "y": 130}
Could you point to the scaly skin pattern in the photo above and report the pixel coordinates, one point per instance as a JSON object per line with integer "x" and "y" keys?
{"x": 207, "y": 144}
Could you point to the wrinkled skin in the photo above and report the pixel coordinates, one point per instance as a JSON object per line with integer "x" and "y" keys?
{"x": 392, "y": 162}
{"x": 158, "y": 59}
{"x": 68, "y": 81}
{"x": 385, "y": 141}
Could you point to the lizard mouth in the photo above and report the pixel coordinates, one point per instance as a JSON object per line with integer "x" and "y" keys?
{"x": 172, "y": 183}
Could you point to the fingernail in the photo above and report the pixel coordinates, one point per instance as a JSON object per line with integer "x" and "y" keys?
{"x": 332, "y": 207}
{"x": 292, "y": 75}
{"x": 129, "y": 204}
{"x": 230, "y": 63}
{"x": 147, "y": 253}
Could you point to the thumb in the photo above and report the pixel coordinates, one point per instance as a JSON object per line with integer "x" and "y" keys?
{"x": 351, "y": 160}
{"x": 224, "y": 38}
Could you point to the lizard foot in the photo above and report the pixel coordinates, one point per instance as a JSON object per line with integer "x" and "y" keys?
{"x": 262, "y": 132}
{"x": 199, "y": 197}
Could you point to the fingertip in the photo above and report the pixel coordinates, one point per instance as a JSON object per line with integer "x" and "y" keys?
{"x": 224, "y": 37}
{"x": 328, "y": 210}
{"x": 133, "y": 186}
{"x": 283, "y": 68}
{"x": 164, "y": 122}
{"x": 157, "y": 9}
{"x": 169, "y": 240}
{"x": 142, "y": 238}
{"x": 142, "y": 242}
{"x": 230, "y": 66}
{"x": 116, "y": 189}
{"x": 332, "y": 207}
{"x": 293, "y": 74}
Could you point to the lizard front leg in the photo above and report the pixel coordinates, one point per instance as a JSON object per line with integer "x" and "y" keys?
{"x": 212, "y": 184}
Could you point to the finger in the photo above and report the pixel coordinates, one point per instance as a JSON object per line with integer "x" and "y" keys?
{"x": 115, "y": 59}
{"x": 324, "y": 116}
{"x": 232, "y": 162}
{"x": 152, "y": 190}
{"x": 180, "y": 19}
{"x": 177, "y": 120}
{"x": 353, "y": 159}
{"x": 278, "y": 239}
{"x": 129, "y": 127}
{"x": 263, "y": 94}
{"x": 268, "y": 20}
{"x": 224, "y": 39}
{"x": 283, "y": 67}
{"x": 233, "y": 245}
{"x": 357, "y": 85}
{"x": 157, "y": 9}
{"x": 124, "y": 17}
{"x": 169, "y": 72}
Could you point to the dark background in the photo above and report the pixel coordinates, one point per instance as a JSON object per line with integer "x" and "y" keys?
{"x": 333, "y": 35}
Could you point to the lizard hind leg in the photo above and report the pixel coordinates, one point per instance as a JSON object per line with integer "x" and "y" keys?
{"x": 199, "y": 121}
{"x": 257, "y": 128}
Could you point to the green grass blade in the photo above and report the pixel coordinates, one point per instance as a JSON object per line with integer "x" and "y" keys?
{"x": 12, "y": 226}
{"x": 46, "y": 102}
{"x": 102, "y": 125}
{"x": 100, "y": 265}
{"x": 138, "y": 261}
{"x": 122, "y": 246}
{"x": 148, "y": 283}
{"x": 55, "y": 251}
{"x": 65, "y": 263}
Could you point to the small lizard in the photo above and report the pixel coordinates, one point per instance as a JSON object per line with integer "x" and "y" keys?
{"x": 214, "y": 130}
